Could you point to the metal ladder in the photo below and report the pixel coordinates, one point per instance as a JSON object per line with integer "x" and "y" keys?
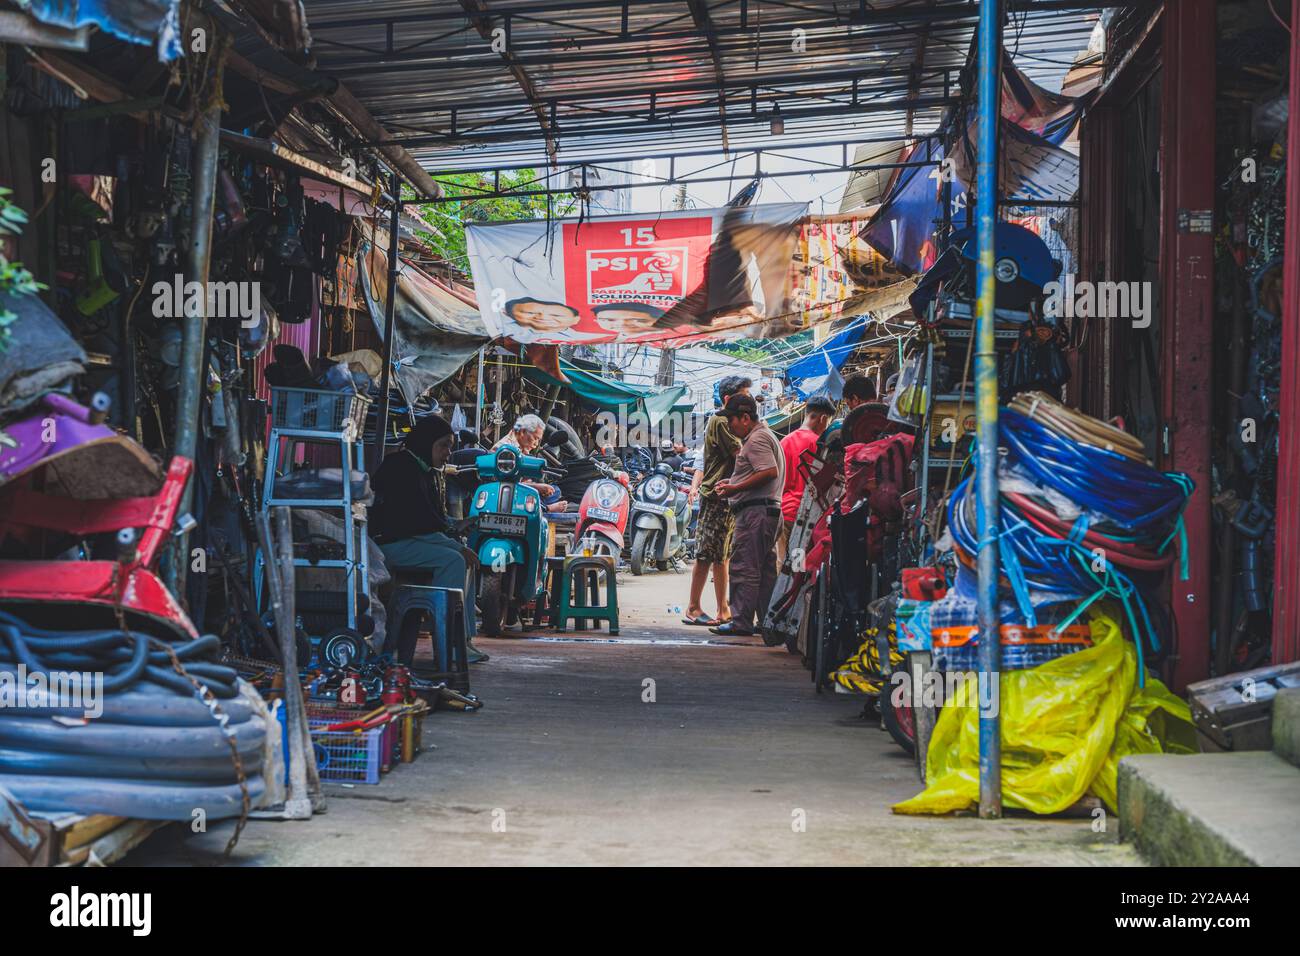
{"x": 283, "y": 443}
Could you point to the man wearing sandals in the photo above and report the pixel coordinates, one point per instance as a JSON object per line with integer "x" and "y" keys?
{"x": 713, "y": 532}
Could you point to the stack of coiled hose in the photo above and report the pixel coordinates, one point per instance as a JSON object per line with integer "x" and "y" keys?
{"x": 1082, "y": 514}
{"x": 177, "y": 732}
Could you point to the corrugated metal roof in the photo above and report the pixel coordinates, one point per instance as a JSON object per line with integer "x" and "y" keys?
{"x": 867, "y": 187}
{"x": 603, "y": 79}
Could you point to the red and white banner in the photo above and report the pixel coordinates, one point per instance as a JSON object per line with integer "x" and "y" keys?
{"x": 667, "y": 279}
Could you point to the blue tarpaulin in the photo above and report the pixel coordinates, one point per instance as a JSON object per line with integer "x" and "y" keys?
{"x": 147, "y": 22}
{"x": 1034, "y": 123}
{"x": 818, "y": 372}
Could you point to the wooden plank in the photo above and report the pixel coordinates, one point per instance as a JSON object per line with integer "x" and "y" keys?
{"x": 112, "y": 846}
{"x": 89, "y": 829}
{"x": 1235, "y": 712}
{"x": 23, "y": 30}
{"x": 88, "y": 81}
{"x": 273, "y": 154}
{"x": 351, "y": 109}
{"x": 24, "y": 841}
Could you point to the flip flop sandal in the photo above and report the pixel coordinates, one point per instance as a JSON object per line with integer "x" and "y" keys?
{"x": 701, "y": 621}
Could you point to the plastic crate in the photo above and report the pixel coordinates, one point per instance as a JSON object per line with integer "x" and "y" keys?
{"x": 1015, "y": 657}
{"x": 332, "y": 712}
{"x": 345, "y": 756}
{"x": 318, "y": 409}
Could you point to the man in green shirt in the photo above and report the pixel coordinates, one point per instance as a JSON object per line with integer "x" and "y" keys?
{"x": 713, "y": 531}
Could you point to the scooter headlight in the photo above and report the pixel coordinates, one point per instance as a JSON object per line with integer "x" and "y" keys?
{"x": 507, "y": 461}
{"x": 656, "y": 487}
{"x": 609, "y": 494}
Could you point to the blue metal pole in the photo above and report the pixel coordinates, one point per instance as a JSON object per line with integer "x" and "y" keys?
{"x": 986, "y": 408}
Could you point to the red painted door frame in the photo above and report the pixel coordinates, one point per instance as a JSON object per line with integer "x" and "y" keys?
{"x": 1286, "y": 565}
{"x": 1187, "y": 317}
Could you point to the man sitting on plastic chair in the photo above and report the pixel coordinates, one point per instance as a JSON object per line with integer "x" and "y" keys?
{"x": 409, "y": 518}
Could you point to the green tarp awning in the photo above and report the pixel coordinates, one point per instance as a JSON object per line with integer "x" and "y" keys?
{"x": 611, "y": 395}
{"x": 783, "y": 419}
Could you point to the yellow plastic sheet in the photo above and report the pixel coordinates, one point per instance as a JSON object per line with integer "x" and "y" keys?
{"x": 1065, "y": 726}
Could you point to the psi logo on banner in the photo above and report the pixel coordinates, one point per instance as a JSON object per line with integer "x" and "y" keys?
{"x": 615, "y": 275}
{"x": 649, "y": 262}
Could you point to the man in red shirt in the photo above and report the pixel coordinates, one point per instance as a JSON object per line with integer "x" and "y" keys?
{"x": 817, "y": 414}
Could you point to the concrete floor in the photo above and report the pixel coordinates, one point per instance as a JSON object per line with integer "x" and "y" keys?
{"x": 567, "y": 764}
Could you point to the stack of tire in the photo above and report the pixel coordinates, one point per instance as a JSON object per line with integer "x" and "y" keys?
{"x": 152, "y": 746}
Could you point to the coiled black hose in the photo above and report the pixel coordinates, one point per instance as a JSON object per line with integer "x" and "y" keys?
{"x": 155, "y": 747}
{"x": 125, "y": 658}
{"x": 146, "y": 705}
{"x": 188, "y": 770}
{"x": 38, "y": 733}
{"x": 137, "y": 799}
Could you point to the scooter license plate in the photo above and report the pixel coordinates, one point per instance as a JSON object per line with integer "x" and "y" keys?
{"x": 653, "y": 509}
{"x": 602, "y": 514}
{"x": 505, "y": 524}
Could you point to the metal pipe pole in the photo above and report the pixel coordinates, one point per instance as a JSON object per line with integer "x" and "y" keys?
{"x": 1286, "y": 566}
{"x": 207, "y": 147}
{"x": 390, "y": 300}
{"x": 986, "y": 409}
{"x": 480, "y": 393}
{"x": 280, "y": 568}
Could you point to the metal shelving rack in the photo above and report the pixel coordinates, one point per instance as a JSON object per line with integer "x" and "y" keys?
{"x": 336, "y": 420}
{"x": 954, "y": 310}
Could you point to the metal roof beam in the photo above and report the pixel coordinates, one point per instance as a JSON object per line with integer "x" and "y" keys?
{"x": 700, "y": 14}
{"x": 688, "y": 179}
{"x": 639, "y": 124}
{"x": 531, "y": 155}
{"x": 859, "y": 15}
{"x": 918, "y": 64}
{"x": 685, "y": 154}
{"x": 554, "y": 50}
{"x": 672, "y": 118}
{"x": 830, "y": 81}
{"x": 481, "y": 18}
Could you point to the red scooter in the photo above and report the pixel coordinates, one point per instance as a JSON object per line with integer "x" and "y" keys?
{"x": 602, "y": 513}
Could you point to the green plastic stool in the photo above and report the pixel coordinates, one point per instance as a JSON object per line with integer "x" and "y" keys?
{"x": 585, "y": 570}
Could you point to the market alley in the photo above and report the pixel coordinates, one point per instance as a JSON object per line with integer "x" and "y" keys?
{"x": 733, "y": 754}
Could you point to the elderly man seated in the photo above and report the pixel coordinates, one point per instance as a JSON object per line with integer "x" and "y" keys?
{"x": 526, "y": 435}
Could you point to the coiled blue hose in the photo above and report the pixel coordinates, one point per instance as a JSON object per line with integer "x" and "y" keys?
{"x": 1144, "y": 504}
{"x": 1134, "y": 496}
{"x": 1059, "y": 566}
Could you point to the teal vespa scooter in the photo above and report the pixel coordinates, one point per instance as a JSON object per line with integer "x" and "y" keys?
{"x": 508, "y": 532}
